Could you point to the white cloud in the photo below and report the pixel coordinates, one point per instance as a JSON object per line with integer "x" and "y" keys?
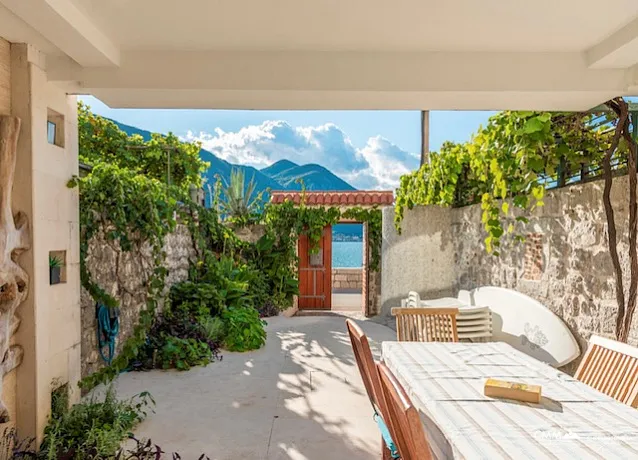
{"x": 377, "y": 165}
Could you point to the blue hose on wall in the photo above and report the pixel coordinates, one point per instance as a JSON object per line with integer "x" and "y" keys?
{"x": 108, "y": 326}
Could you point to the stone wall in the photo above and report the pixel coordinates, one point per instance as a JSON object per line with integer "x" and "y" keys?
{"x": 123, "y": 275}
{"x": 251, "y": 233}
{"x": 564, "y": 262}
{"x": 346, "y": 279}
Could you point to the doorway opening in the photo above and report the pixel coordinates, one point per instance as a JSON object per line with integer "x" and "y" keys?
{"x": 347, "y": 267}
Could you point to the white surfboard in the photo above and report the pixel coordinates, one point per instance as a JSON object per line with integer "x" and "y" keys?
{"x": 527, "y": 325}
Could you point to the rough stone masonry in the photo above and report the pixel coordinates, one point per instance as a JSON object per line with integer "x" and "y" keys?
{"x": 564, "y": 262}
{"x": 123, "y": 275}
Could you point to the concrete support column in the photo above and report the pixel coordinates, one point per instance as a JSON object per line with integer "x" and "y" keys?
{"x": 49, "y": 331}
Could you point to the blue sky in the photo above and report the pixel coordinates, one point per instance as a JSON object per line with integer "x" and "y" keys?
{"x": 369, "y": 149}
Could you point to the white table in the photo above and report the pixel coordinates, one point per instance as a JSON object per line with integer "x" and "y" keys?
{"x": 445, "y": 382}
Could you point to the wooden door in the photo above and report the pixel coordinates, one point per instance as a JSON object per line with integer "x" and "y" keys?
{"x": 315, "y": 273}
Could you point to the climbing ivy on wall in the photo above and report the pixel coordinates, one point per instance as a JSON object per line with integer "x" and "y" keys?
{"x": 127, "y": 198}
{"x": 136, "y": 212}
{"x": 509, "y": 162}
{"x": 289, "y": 221}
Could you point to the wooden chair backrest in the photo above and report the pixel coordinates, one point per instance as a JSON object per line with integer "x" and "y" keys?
{"x": 426, "y": 324}
{"x": 404, "y": 419}
{"x": 611, "y": 367}
{"x": 367, "y": 367}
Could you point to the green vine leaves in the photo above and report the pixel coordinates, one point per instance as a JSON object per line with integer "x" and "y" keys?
{"x": 164, "y": 158}
{"x": 288, "y": 221}
{"x": 507, "y": 164}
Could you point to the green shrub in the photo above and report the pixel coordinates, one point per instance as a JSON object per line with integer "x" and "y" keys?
{"x": 198, "y": 300}
{"x": 273, "y": 262}
{"x": 214, "y": 329}
{"x": 244, "y": 329}
{"x": 182, "y": 354}
{"x": 227, "y": 280}
{"x": 95, "y": 429}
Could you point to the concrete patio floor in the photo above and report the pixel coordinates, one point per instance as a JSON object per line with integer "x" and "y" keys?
{"x": 299, "y": 397}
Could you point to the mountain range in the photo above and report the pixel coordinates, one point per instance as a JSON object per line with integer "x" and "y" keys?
{"x": 282, "y": 175}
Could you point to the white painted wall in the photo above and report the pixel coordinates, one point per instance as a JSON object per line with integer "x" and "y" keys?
{"x": 50, "y": 328}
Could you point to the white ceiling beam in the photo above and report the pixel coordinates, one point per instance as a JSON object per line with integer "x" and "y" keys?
{"x": 618, "y": 51}
{"x": 66, "y": 27}
{"x": 352, "y": 71}
{"x": 347, "y": 100}
{"x": 348, "y": 80}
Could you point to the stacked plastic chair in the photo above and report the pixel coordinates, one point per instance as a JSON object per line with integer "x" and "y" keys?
{"x": 474, "y": 323}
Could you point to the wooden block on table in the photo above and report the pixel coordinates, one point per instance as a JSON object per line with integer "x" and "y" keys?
{"x": 512, "y": 390}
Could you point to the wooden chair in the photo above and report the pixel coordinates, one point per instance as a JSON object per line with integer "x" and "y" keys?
{"x": 612, "y": 368}
{"x": 370, "y": 377}
{"x": 428, "y": 324}
{"x": 404, "y": 418}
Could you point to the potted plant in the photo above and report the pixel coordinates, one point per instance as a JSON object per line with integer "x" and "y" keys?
{"x": 55, "y": 270}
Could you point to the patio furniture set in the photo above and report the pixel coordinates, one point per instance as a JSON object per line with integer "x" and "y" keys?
{"x": 428, "y": 393}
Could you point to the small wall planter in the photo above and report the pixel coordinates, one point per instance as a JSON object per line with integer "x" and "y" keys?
{"x": 56, "y": 267}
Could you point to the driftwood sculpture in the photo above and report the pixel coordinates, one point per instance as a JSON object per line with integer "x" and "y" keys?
{"x": 14, "y": 239}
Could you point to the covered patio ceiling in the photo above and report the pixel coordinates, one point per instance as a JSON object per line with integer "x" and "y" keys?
{"x": 335, "y": 54}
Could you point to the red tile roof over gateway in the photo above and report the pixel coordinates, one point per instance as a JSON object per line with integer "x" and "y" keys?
{"x": 350, "y": 198}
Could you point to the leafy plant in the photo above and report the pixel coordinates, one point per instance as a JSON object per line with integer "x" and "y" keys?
{"x": 54, "y": 262}
{"x": 94, "y": 429}
{"x": 506, "y": 164}
{"x": 183, "y": 336}
{"x": 244, "y": 329}
{"x": 198, "y": 300}
{"x": 162, "y": 157}
{"x": 147, "y": 450}
{"x": 276, "y": 281}
{"x": 268, "y": 308}
{"x": 237, "y": 202}
{"x": 182, "y": 354}
{"x": 229, "y": 278}
{"x": 214, "y": 329}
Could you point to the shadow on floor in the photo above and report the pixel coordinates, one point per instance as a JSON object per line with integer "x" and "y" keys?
{"x": 299, "y": 397}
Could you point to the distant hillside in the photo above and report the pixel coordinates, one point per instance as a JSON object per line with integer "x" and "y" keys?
{"x": 217, "y": 165}
{"x": 315, "y": 177}
{"x": 281, "y": 175}
{"x": 281, "y": 167}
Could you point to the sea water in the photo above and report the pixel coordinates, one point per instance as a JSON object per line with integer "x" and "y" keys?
{"x": 347, "y": 254}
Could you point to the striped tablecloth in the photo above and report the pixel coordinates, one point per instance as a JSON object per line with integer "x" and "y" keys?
{"x": 445, "y": 381}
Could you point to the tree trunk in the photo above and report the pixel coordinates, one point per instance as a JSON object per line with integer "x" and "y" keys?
{"x": 633, "y": 228}
{"x": 14, "y": 239}
{"x": 626, "y": 307}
